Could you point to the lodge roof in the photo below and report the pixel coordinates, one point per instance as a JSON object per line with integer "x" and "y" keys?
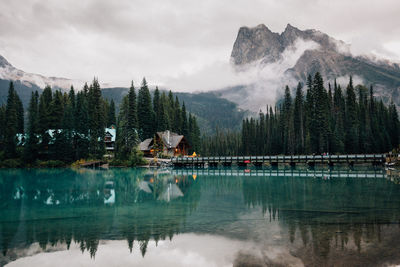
{"x": 170, "y": 139}
{"x": 145, "y": 145}
{"x": 112, "y": 132}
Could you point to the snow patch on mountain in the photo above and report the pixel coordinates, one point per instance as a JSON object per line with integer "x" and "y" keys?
{"x": 9, "y": 72}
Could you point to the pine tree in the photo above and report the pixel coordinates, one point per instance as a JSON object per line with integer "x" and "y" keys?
{"x": 72, "y": 101}
{"x": 112, "y": 120}
{"x": 157, "y": 110}
{"x": 351, "y": 135}
{"x": 394, "y": 128}
{"x": 32, "y": 143}
{"x": 185, "y": 128}
{"x": 44, "y": 109}
{"x": 20, "y": 114}
{"x": 177, "y": 126}
{"x": 310, "y": 117}
{"x": 321, "y": 131}
{"x": 63, "y": 149}
{"x": 287, "y": 120}
{"x": 132, "y": 116}
{"x": 56, "y": 111}
{"x": 11, "y": 123}
{"x": 163, "y": 118}
{"x": 145, "y": 112}
{"x": 131, "y": 120}
{"x": 96, "y": 120}
{"x": 81, "y": 115}
{"x": 170, "y": 111}
{"x": 195, "y": 136}
{"x": 363, "y": 122}
{"x": 2, "y": 126}
{"x": 338, "y": 115}
{"x": 127, "y": 126}
{"x": 299, "y": 120}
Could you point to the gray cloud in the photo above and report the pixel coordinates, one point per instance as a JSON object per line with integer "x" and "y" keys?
{"x": 165, "y": 40}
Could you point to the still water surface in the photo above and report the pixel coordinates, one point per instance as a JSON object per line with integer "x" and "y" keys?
{"x": 205, "y": 217}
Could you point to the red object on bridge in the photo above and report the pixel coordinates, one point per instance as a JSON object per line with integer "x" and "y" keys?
{"x": 246, "y": 161}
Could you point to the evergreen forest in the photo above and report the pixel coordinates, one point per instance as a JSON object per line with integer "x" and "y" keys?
{"x": 60, "y": 128}
{"x": 315, "y": 120}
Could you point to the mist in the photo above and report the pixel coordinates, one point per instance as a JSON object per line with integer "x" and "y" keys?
{"x": 264, "y": 82}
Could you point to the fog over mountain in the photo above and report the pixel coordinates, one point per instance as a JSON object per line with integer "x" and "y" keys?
{"x": 289, "y": 57}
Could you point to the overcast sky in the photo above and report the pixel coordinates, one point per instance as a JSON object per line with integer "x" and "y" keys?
{"x": 166, "y": 40}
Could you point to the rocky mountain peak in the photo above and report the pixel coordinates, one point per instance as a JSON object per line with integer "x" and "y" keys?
{"x": 290, "y": 35}
{"x": 290, "y": 28}
{"x": 255, "y": 43}
{"x": 259, "y": 42}
{"x": 4, "y": 63}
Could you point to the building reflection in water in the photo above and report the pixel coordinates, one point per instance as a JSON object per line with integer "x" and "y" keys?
{"x": 322, "y": 212}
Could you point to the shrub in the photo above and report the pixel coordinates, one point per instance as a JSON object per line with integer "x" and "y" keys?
{"x": 11, "y": 163}
{"x": 136, "y": 158}
{"x": 52, "y": 164}
{"x": 119, "y": 163}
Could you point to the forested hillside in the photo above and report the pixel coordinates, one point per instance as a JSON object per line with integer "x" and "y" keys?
{"x": 211, "y": 111}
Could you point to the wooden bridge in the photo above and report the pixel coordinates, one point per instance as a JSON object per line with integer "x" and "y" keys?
{"x": 311, "y": 160}
{"x": 324, "y": 174}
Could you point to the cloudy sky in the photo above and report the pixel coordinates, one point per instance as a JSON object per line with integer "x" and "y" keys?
{"x": 173, "y": 42}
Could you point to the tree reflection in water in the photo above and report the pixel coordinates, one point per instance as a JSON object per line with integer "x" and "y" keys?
{"x": 53, "y": 206}
{"x": 322, "y": 214}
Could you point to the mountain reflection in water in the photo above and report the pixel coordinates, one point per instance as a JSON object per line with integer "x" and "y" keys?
{"x": 284, "y": 217}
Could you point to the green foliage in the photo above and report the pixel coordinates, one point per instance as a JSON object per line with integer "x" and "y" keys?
{"x": 119, "y": 163}
{"x": 11, "y": 163}
{"x": 97, "y": 121}
{"x": 31, "y": 147}
{"x": 2, "y": 127}
{"x": 136, "y": 158}
{"x": 145, "y": 112}
{"x": 127, "y": 125}
{"x": 11, "y": 123}
{"x": 111, "y": 120}
{"x": 157, "y": 110}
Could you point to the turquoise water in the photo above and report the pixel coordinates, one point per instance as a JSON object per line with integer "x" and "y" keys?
{"x": 204, "y": 217}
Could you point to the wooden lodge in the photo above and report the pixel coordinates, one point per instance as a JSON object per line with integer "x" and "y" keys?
{"x": 166, "y": 142}
{"x": 109, "y": 138}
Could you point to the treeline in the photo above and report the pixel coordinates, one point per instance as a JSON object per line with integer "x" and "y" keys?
{"x": 70, "y": 126}
{"x": 316, "y": 121}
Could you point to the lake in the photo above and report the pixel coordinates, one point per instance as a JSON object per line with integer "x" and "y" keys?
{"x": 199, "y": 217}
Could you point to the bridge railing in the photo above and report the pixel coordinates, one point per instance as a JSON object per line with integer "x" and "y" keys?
{"x": 282, "y": 158}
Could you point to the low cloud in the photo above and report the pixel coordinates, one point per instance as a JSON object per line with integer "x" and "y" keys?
{"x": 264, "y": 82}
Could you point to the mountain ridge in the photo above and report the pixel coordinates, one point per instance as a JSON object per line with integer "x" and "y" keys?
{"x": 332, "y": 58}
{"x": 9, "y": 72}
